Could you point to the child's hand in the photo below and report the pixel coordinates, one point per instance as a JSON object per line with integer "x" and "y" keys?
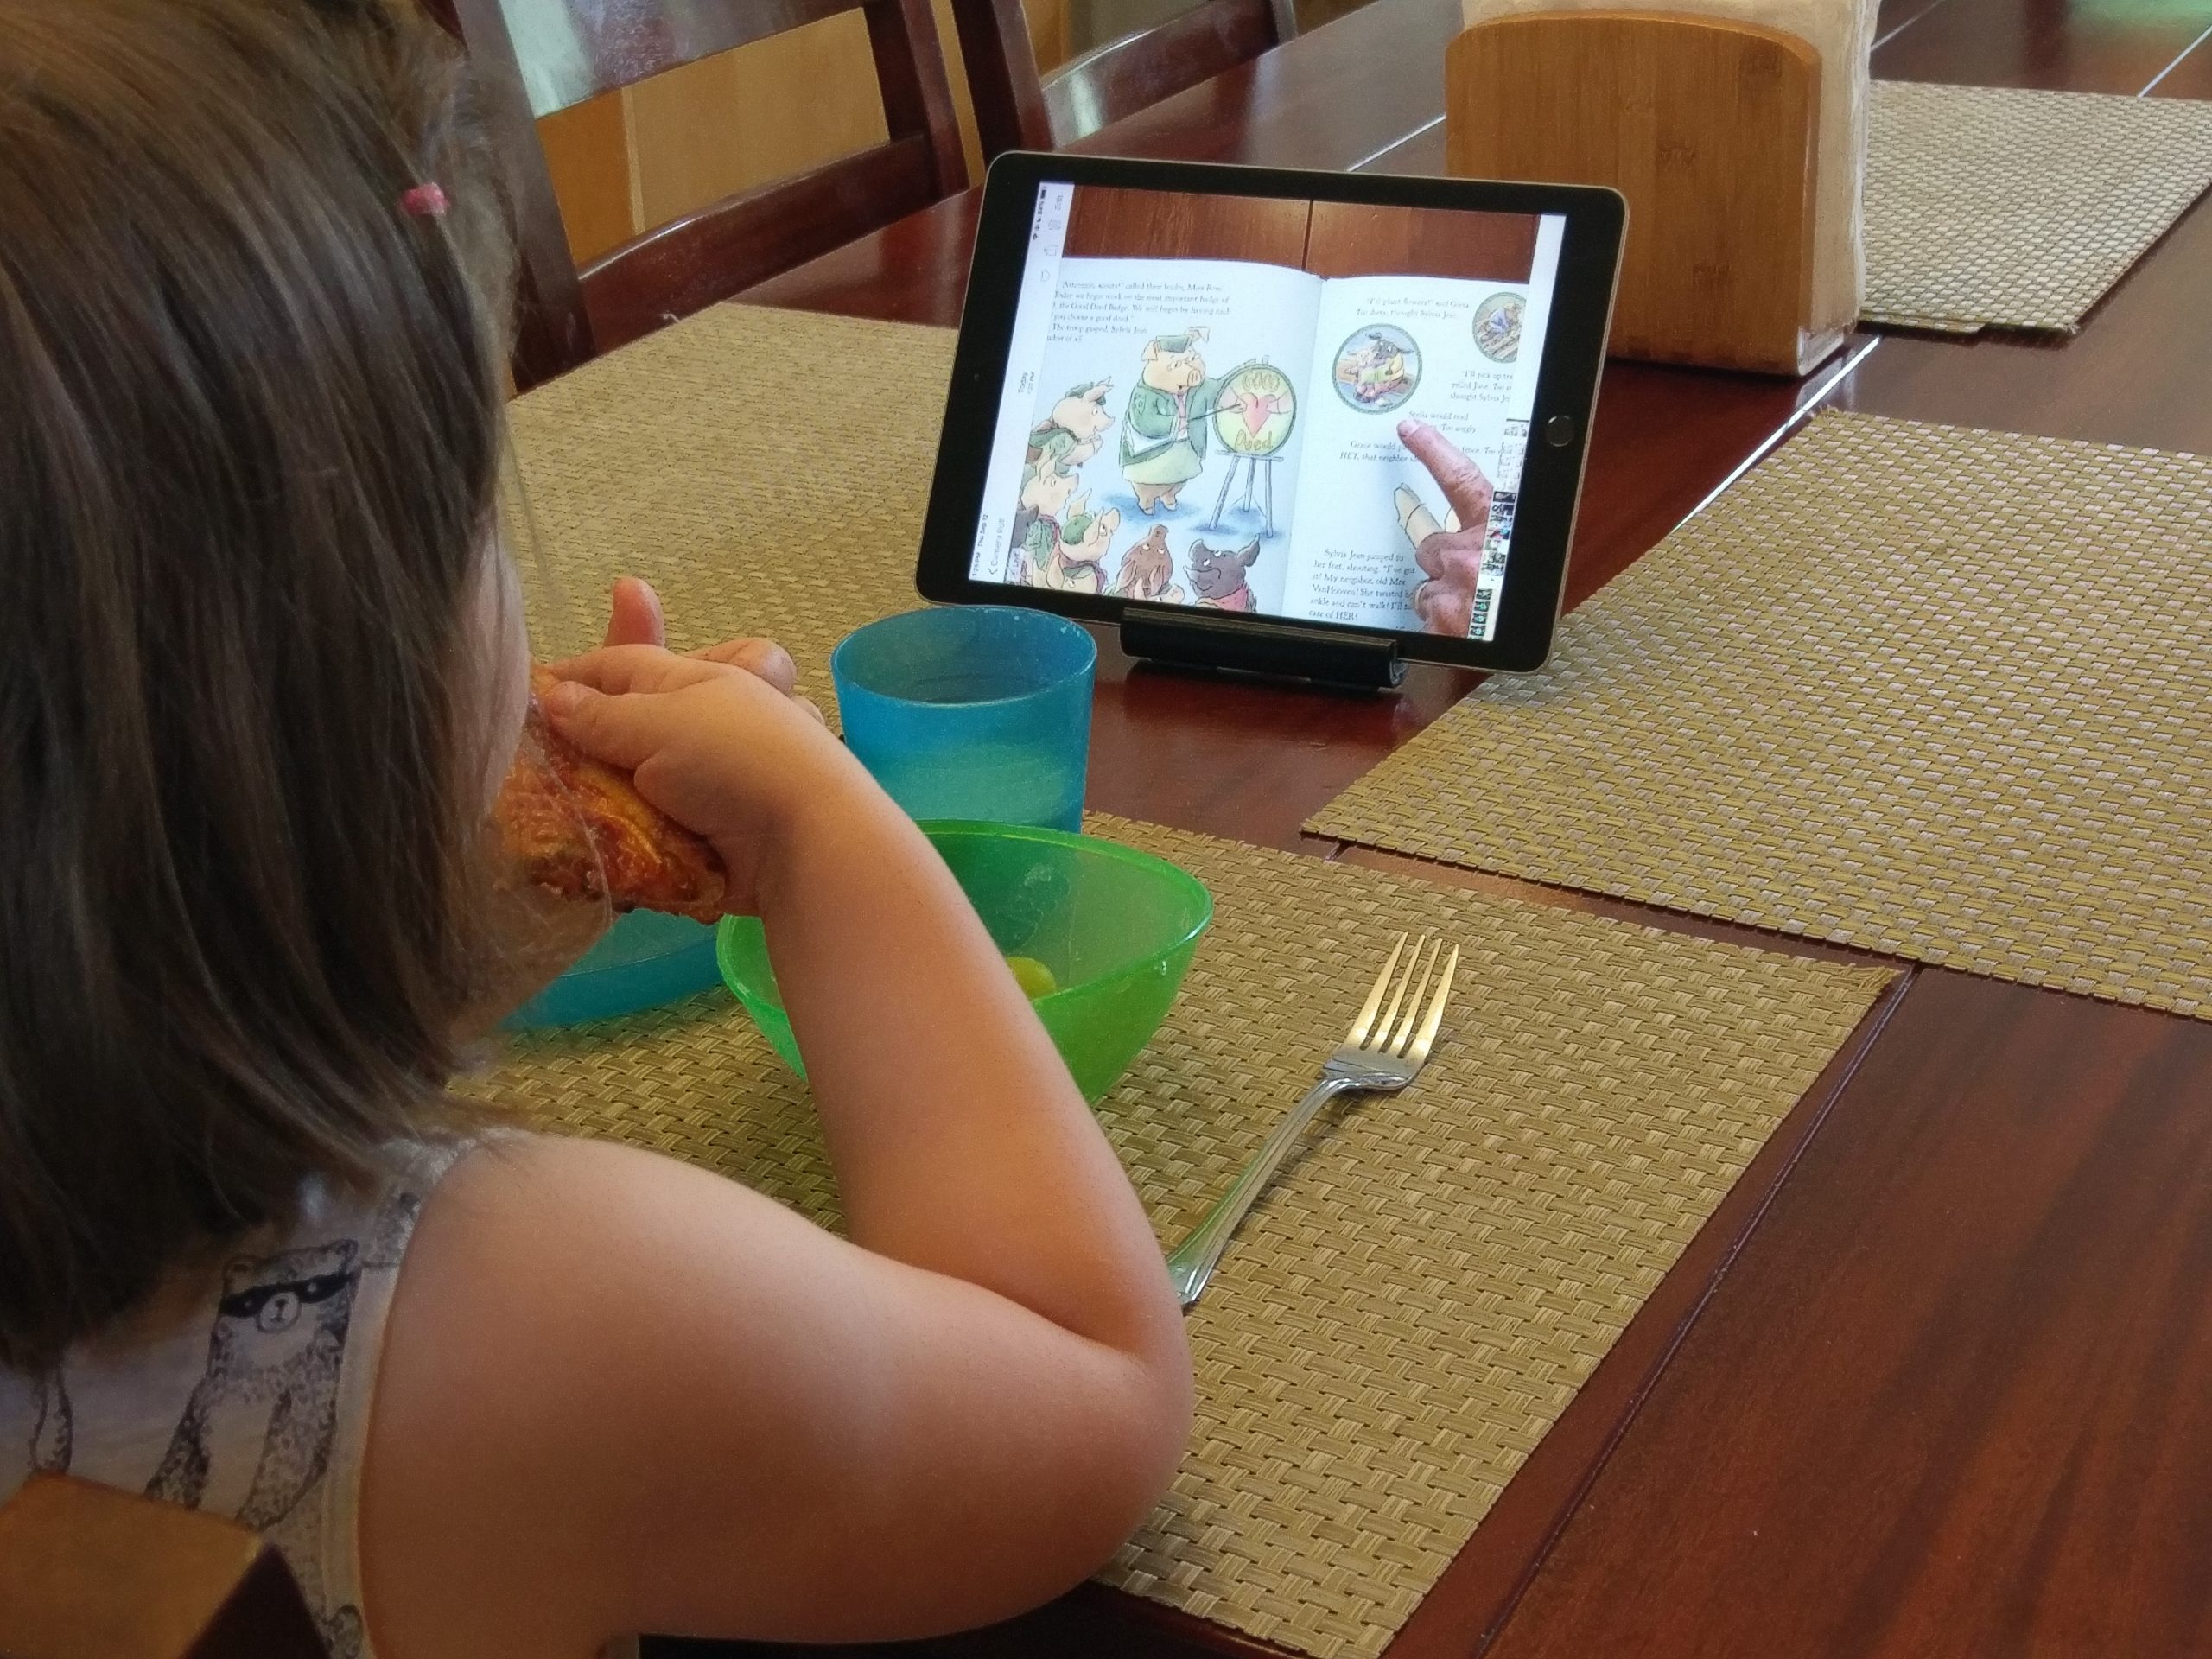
{"x": 635, "y": 618}
{"x": 633, "y": 614}
{"x": 715, "y": 739}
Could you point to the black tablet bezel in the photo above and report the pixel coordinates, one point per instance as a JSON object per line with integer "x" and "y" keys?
{"x": 1566, "y": 384}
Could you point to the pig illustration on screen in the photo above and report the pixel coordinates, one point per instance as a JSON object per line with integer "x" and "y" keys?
{"x": 1047, "y": 489}
{"x": 1075, "y": 564}
{"x": 1077, "y": 425}
{"x": 1164, "y": 431}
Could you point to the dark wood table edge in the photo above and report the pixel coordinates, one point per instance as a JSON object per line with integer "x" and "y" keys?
{"x": 1465, "y": 1610}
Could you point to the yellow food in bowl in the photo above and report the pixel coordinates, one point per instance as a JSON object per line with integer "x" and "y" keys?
{"x": 1034, "y": 976}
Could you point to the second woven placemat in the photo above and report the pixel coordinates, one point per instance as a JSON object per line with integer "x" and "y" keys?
{"x": 1936, "y": 693}
{"x": 1408, "y": 1311}
{"x": 767, "y": 471}
{"x": 1990, "y": 207}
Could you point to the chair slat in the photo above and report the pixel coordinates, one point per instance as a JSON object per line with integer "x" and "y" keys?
{"x": 727, "y": 248}
{"x": 1139, "y": 69}
{"x": 1003, "y": 85}
{"x": 1017, "y": 109}
{"x": 580, "y": 49}
{"x": 565, "y": 318}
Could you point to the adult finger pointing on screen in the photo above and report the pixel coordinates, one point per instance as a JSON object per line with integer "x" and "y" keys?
{"x": 1450, "y": 556}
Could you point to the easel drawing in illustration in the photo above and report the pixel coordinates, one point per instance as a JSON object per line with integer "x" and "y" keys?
{"x": 1255, "y": 479}
{"x": 1253, "y": 418}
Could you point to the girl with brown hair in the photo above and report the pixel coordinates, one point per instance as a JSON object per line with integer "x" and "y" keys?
{"x": 260, "y": 673}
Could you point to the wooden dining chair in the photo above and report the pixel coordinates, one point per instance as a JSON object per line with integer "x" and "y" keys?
{"x": 1017, "y": 108}
{"x": 87, "y": 1571}
{"x": 578, "y": 49}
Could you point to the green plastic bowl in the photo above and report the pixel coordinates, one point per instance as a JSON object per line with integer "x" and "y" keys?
{"x": 1118, "y": 927}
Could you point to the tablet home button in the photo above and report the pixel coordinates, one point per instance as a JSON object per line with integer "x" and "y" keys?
{"x": 1559, "y": 431}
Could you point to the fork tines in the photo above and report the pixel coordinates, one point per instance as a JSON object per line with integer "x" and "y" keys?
{"x": 1402, "y": 1038}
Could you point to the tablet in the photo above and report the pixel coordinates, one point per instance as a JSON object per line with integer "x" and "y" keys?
{"x": 1344, "y": 403}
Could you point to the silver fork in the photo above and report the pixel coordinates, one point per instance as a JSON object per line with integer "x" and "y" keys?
{"x": 1377, "y": 1056}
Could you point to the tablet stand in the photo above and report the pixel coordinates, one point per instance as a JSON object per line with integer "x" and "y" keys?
{"x": 1364, "y": 662}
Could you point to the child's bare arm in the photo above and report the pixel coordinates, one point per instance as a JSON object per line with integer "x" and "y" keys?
{"x": 651, "y": 1398}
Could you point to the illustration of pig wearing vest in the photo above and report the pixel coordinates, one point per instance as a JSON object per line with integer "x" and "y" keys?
{"x": 1058, "y": 541}
{"x": 1047, "y": 490}
{"x": 1074, "y": 565}
{"x": 1077, "y": 427}
{"x": 1164, "y": 432}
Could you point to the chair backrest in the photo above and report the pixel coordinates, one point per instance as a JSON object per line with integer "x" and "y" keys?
{"x": 1016, "y": 108}
{"x": 577, "y": 49}
{"x": 89, "y": 1570}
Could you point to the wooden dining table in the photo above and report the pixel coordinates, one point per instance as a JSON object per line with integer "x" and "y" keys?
{"x": 1936, "y": 1377}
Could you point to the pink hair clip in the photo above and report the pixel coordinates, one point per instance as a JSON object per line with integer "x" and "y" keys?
{"x": 424, "y": 202}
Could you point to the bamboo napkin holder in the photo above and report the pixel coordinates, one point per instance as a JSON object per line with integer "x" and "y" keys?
{"x": 1707, "y": 126}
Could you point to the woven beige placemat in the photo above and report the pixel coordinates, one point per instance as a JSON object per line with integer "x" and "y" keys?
{"x": 766, "y": 471}
{"x": 1421, "y": 1296}
{"x": 1988, "y": 207}
{"x": 1936, "y": 693}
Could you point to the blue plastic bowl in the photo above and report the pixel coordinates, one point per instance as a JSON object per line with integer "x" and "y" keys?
{"x": 644, "y": 960}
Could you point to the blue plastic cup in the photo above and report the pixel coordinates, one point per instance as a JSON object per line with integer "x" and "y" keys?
{"x": 975, "y": 711}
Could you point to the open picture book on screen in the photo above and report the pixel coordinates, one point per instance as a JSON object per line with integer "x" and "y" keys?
{"x": 1354, "y": 405}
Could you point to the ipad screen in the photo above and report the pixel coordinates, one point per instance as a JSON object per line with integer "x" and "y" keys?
{"x": 1309, "y": 409}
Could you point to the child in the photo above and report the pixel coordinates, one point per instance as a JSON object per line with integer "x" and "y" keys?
{"x": 260, "y": 674}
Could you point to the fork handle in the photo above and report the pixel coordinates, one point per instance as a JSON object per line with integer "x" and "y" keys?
{"x": 1196, "y": 1257}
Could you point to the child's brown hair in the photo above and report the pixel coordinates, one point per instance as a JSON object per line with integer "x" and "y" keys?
{"x": 250, "y": 434}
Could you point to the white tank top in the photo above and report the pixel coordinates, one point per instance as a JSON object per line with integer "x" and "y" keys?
{"x": 244, "y": 1390}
